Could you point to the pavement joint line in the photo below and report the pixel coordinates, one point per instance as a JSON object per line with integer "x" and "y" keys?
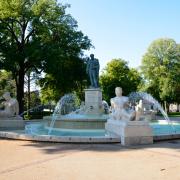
{"x": 12, "y": 169}
{"x": 29, "y": 164}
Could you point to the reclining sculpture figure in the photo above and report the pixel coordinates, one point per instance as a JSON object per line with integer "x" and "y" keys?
{"x": 11, "y": 106}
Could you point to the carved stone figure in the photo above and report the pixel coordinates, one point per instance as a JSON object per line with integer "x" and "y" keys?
{"x": 11, "y": 106}
{"x": 139, "y": 111}
{"x": 105, "y": 107}
{"x": 81, "y": 110}
{"x": 93, "y": 71}
{"x": 119, "y": 107}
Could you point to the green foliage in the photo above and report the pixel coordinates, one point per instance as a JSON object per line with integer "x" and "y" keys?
{"x": 69, "y": 76}
{"x": 37, "y": 34}
{"x": 118, "y": 74}
{"x": 7, "y": 83}
{"x": 37, "y": 115}
{"x": 161, "y": 69}
{"x": 34, "y": 99}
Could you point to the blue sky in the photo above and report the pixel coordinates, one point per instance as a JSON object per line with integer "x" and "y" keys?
{"x": 125, "y": 28}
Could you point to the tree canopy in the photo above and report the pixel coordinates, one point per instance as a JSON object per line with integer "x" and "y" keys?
{"x": 117, "y": 73}
{"x": 69, "y": 76}
{"x": 39, "y": 35}
{"x": 161, "y": 69}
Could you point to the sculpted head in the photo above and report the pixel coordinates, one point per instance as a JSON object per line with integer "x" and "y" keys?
{"x": 92, "y": 56}
{"x": 118, "y": 91}
{"x": 7, "y": 96}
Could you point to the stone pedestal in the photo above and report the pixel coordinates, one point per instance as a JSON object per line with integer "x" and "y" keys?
{"x": 13, "y": 123}
{"x": 93, "y": 101}
{"x": 130, "y": 132}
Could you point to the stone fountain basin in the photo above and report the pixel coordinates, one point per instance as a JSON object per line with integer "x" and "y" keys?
{"x": 77, "y": 121}
{"x": 107, "y": 138}
{"x": 11, "y": 123}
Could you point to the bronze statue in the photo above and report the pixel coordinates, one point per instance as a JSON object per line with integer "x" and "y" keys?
{"x": 93, "y": 71}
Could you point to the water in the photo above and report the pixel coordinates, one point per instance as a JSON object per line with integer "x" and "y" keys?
{"x": 35, "y": 128}
{"x": 106, "y": 107}
{"x": 67, "y": 104}
{"x": 38, "y": 128}
{"x": 165, "y": 129}
{"x": 54, "y": 117}
{"x": 36, "y": 108}
{"x": 134, "y": 96}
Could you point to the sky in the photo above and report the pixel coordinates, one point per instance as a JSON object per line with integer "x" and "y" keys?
{"x": 125, "y": 28}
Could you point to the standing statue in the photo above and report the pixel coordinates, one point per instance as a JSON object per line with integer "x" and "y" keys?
{"x": 11, "y": 106}
{"x": 120, "y": 107}
{"x": 93, "y": 71}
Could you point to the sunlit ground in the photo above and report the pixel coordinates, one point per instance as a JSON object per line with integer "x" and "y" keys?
{"x": 25, "y": 160}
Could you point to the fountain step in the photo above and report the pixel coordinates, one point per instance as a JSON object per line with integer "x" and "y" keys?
{"x": 78, "y": 122}
{"x": 68, "y": 139}
{"x": 11, "y": 124}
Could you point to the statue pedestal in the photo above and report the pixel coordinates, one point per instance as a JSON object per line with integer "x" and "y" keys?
{"x": 130, "y": 132}
{"x": 93, "y": 101}
{"x": 12, "y": 123}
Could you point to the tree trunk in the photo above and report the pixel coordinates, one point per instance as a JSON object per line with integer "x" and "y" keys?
{"x": 20, "y": 89}
{"x": 28, "y": 92}
{"x": 165, "y": 106}
{"x": 168, "y": 105}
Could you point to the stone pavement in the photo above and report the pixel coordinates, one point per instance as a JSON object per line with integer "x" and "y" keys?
{"x": 25, "y": 160}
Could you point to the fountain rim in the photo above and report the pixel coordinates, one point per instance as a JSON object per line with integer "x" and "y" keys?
{"x": 59, "y": 139}
{"x": 76, "y": 139}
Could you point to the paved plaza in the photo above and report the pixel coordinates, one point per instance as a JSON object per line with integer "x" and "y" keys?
{"x": 25, "y": 160}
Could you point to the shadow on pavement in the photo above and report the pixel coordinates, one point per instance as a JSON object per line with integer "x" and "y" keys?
{"x": 53, "y": 148}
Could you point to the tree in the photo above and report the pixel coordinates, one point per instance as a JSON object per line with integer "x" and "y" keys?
{"x": 117, "y": 73}
{"x": 70, "y": 76}
{"x": 36, "y": 34}
{"x": 34, "y": 101}
{"x": 161, "y": 69}
{"x": 31, "y": 78}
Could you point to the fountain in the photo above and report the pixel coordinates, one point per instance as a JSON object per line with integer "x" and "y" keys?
{"x": 90, "y": 116}
{"x": 66, "y": 105}
{"x": 89, "y": 122}
{"x": 124, "y": 123}
{"x": 71, "y": 119}
{"x": 92, "y": 121}
{"x": 69, "y": 116}
{"x": 134, "y": 96}
{"x": 76, "y": 123}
